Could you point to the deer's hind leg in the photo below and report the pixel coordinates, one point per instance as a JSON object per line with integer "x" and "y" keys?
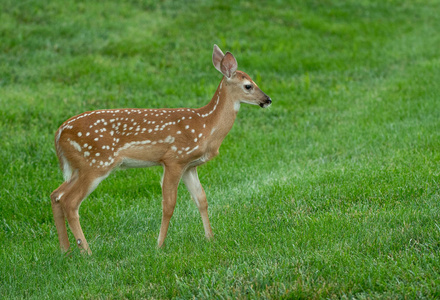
{"x": 59, "y": 217}
{"x": 69, "y": 198}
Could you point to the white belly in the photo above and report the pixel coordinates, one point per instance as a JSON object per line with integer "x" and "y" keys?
{"x": 136, "y": 163}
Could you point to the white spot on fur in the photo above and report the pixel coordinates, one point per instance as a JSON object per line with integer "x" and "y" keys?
{"x": 76, "y": 145}
{"x": 193, "y": 149}
{"x": 169, "y": 139}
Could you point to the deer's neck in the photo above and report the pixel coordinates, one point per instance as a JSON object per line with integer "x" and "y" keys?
{"x": 220, "y": 114}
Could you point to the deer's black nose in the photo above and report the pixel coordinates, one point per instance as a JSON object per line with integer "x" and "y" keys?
{"x": 266, "y": 103}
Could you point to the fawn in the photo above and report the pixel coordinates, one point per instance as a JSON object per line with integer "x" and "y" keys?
{"x": 89, "y": 146}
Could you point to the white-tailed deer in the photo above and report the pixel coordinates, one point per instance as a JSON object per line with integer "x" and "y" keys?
{"x": 89, "y": 146}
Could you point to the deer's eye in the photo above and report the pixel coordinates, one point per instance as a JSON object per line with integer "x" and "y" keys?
{"x": 247, "y": 86}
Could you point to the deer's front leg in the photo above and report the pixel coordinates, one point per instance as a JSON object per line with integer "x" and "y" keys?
{"x": 170, "y": 182}
{"x": 192, "y": 182}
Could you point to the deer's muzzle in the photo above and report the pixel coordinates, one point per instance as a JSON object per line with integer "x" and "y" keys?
{"x": 266, "y": 103}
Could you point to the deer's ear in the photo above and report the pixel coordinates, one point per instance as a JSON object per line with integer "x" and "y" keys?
{"x": 217, "y": 56}
{"x": 228, "y": 65}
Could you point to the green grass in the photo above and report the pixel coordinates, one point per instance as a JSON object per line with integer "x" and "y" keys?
{"x": 333, "y": 192}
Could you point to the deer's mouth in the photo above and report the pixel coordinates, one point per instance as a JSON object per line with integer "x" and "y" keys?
{"x": 266, "y": 103}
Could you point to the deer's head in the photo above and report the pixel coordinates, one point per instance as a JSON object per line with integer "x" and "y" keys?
{"x": 238, "y": 82}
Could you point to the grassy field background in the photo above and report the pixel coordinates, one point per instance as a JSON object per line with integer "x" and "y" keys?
{"x": 333, "y": 192}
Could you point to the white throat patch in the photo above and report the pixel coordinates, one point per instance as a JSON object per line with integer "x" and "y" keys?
{"x": 237, "y": 106}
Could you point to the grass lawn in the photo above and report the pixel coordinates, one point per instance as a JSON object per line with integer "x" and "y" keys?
{"x": 333, "y": 192}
